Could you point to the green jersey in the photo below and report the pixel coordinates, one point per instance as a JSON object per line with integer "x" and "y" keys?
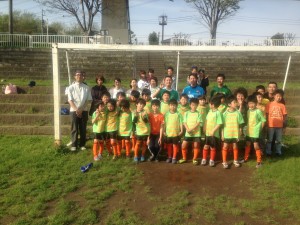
{"x": 99, "y": 124}
{"x": 232, "y": 122}
{"x": 125, "y": 123}
{"x": 225, "y": 90}
{"x": 203, "y": 110}
{"x": 183, "y": 108}
{"x": 164, "y": 107}
{"x": 222, "y": 108}
{"x": 173, "y": 122}
{"x": 190, "y": 119}
{"x": 255, "y": 120}
{"x": 142, "y": 127}
{"x": 147, "y": 107}
{"x": 213, "y": 119}
{"x": 173, "y": 94}
{"x": 112, "y": 121}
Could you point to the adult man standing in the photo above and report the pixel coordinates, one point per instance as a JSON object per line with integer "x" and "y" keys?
{"x": 168, "y": 86}
{"x": 221, "y": 87}
{"x": 170, "y": 72}
{"x": 79, "y": 95}
{"x": 193, "y": 90}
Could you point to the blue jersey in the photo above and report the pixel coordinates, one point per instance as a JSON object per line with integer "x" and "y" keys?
{"x": 193, "y": 92}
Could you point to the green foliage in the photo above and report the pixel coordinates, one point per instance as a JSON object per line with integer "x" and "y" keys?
{"x": 153, "y": 38}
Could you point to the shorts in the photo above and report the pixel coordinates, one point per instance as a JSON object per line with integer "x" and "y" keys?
{"x": 112, "y": 135}
{"x": 99, "y": 136}
{"x": 212, "y": 141}
{"x": 230, "y": 140}
{"x": 123, "y": 138}
{"x": 142, "y": 137}
{"x": 252, "y": 140}
{"x": 172, "y": 140}
{"x": 192, "y": 139}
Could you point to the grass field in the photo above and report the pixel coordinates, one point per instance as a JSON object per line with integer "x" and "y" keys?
{"x": 41, "y": 184}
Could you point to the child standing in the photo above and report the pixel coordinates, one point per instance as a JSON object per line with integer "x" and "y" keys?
{"x": 112, "y": 125}
{"x": 146, "y": 95}
{"x": 233, "y": 120}
{"x": 173, "y": 130}
{"x": 213, "y": 122}
{"x": 141, "y": 121}
{"x": 154, "y": 88}
{"x": 98, "y": 121}
{"x": 164, "y": 105}
{"x": 125, "y": 127}
{"x": 223, "y": 106}
{"x": 277, "y": 118}
{"x": 183, "y": 104}
{"x": 134, "y": 96}
{"x": 192, "y": 121}
{"x": 203, "y": 109}
{"x": 256, "y": 121}
{"x": 156, "y": 123}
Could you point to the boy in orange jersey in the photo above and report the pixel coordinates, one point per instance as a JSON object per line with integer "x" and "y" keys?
{"x": 164, "y": 104}
{"x": 214, "y": 120}
{"x": 277, "y": 119}
{"x": 125, "y": 127}
{"x": 183, "y": 105}
{"x": 98, "y": 121}
{"x": 142, "y": 126}
{"x": 173, "y": 129}
{"x": 233, "y": 120}
{"x": 156, "y": 124}
{"x": 192, "y": 121}
{"x": 256, "y": 121}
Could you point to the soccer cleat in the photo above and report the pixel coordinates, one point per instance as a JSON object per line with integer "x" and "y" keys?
{"x": 142, "y": 159}
{"x": 73, "y": 149}
{"x": 225, "y": 165}
{"x": 169, "y": 160}
{"x": 96, "y": 158}
{"x": 83, "y": 148}
{"x": 115, "y": 157}
{"x": 258, "y": 165}
{"x": 151, "y": 158}
{"x": 195, "y": 162}
{"x": 174, "y": 161}
{"x": 69, "y": 144}
{"x": 182, "y": 161}
{"x": 136, "y": 159}
{"x": 203, "y": 162}
{"x": 243, "y": 161}
{"x": 236, "y": 163}
{"x": 211, "y": 163}
{"x": 99, "y": 156}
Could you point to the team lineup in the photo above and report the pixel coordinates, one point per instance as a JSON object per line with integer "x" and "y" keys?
{"x": 154, "y": 117}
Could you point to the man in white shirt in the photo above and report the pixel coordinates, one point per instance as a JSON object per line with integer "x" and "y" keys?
{"x": 79, "y": 95}
{"x": 143, "y": 83}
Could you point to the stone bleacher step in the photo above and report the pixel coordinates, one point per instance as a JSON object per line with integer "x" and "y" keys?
{"x": 28, "y": 108}
{"x": 32, "y": 130}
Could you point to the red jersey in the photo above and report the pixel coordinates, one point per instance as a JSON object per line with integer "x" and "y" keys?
{"x": 156, "y": 120}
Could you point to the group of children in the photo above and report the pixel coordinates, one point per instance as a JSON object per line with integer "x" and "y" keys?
{"x": 138, "y": 123}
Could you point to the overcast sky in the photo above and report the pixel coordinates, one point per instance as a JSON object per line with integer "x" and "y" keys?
{"x": 257, "y": 19}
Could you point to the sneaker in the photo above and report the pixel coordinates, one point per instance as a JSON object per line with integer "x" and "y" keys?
{"x": 195, "y": 162}
{"x": 99, "y": 156}
{"x": 203, "y": 162}
{"x": 182, "y": 161}
{"x": 96, "y": 158}
{"x": 151, "y": 158}
{"x": 243, "y": 161}
{"x": 225, "y": 165}
{"x": 169, "y": 160}
{"x": 174, "y": 161}
{"x": 236, "y": 163}
{"x": 73, "y": 149}
{"x": 258, "y": 165}
{"x": 211, "y": 163}
{"x": 142, "y": 159}
{"x": 156, "y": 160}
{"x": 69, "y": 144}
{"x": 136, "y": 159}
{"x": 83, "y": 148}
{"x": 115, "y": 157}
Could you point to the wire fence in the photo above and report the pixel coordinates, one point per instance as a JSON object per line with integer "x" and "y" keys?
{"x": 45, "y": 41}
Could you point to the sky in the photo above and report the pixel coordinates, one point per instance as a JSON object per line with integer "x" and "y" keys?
{"x": 256, "y": 19}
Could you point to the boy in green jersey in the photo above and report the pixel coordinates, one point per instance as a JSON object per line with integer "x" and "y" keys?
{"x": 203, "y": 109}
{"x": 125, "y": 127}
{"x": 213, "y": 122}
{"x": 146, "y": 95}
{"x": 173, "y": 129}
{"x": 256, "y": 122}
{"x": 134, "y": 96}
{"x": 183, "y": 105}
{"x": 164, "y": 104}
{"x": 142, "y": 125}
{"x": 222, "y": 108}
{"x": 192, "y": 121}
{"x": 98, "y": 121}
{"x": 231, "y": 131}
{"x": 112, "y": 125}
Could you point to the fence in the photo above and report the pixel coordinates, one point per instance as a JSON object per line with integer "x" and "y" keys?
{"x": 45, "y": 41}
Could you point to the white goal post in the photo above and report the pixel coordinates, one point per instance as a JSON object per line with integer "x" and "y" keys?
{"x": 149, "y": 48}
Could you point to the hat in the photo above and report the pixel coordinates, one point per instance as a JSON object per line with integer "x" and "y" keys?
{"x": 31, "y": 83}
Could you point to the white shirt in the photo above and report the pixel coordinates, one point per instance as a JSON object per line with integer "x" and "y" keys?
{"x": 79, "y": 93}
{"x": 142, "y": 84}
{"x": 114, "y": 91}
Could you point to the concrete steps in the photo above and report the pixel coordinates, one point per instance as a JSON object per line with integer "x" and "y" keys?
{"x": 32, "y": 130}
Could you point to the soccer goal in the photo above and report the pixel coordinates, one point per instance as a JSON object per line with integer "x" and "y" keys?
{"x": 177, "y": 51}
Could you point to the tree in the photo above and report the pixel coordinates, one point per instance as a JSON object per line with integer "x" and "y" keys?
{"x": 283, "y": 39}
{"x": 213, "y": 12}
{"x": 153, "y": 38}
{"x": 84, "y": 11}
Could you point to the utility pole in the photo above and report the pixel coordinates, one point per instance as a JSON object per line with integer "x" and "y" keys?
{"x": 162, "y": 21}
{"x": 11, "y": 29}
{"x": 128, "y": 22}
{"x": 42, "y": 22}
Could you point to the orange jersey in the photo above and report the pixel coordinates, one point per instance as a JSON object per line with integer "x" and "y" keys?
{"x": 156, "y": 120}
{"x": 276, "y": 112}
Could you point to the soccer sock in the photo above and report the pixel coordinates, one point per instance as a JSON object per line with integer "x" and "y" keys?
{"x": 136, "y": 148}
{"x": 212, "y": 154}
{"x": 95, "y": 148}
{"x": 115, "y": 148}
{"x": 127, "y": 147}
{"x": 247, "y": 152}
{"x": 123, "y": 144}
{"x": 224, "y": 155}
{"x": 175, "y": 150}
{"x": 169, "y": 149}
{"x": 184, "y": 152}
{"x": 144, "y": 148}
{"x": 236, "y": 154}
{"x": 119, "y": 147}
{"x": 133, "y": 140}
{"x": 101, "y": 147}
{"x": 196, "y": 153}
{"x": 258, "y": 155}
{"x": 108, "y": 145}
{"x": 205, "y": 153}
